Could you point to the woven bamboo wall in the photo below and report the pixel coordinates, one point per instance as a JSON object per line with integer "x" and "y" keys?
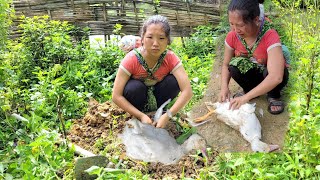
{"x": 102, "y": 15}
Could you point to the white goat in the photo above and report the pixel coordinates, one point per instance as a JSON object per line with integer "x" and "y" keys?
{"x": 244, "y": 120}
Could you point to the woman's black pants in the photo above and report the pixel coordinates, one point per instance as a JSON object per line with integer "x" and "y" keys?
{"x": 253, "y": 77}
{"x": 135, "y": 91}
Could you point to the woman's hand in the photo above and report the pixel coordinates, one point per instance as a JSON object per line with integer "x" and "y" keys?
{"x": 224, "y": 94}
{"x": 163, "y": 121}
{"x": 146, "y": 119}
{"x": 235, "y": 103}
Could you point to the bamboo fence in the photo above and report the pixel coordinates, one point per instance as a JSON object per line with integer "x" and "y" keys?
{"x": 102, "y": 15}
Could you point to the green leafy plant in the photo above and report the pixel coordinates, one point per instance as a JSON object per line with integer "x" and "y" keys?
{"x": 117, "y": 29}
{"x": 201, "y": 42}
{"x": 197, "y": 57}
{"x": 42, "y": 158}
{"x": 244, "y": 64}
{"x": 45, "y": 43}
{"x": 183, "y": 137}
{"x": 5, "y": 20}
{"x": 156, "y": 6}
{"x": 47, "y": 77}
{"x": 108, "y": 173}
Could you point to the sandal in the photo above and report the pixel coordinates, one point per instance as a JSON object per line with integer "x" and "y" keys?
{"x": 275, "y": 102}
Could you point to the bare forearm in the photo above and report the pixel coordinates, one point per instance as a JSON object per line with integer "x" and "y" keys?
{"x": 264, "y": 87}
{"x": 275, "y": 68}
{"x": 225, "y": 77}
{"x": 225, "y": 74}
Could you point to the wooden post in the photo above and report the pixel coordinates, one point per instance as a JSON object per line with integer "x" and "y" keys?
{"x": 123, "y": 5}
{"x": 72, "y": 4}
{"x": 49, "y": 14}
{"x": 177, "y": 16}
{"x": 104, "y": 12}
{"x": 183, "y": 44}
{"x": 29, "y": 6}
{"x": 190, "y": 18}
{"x": 104, "y": 20}
{"x": 117, "y": 5}
{"x": 205, "y": 19}
{"x": 136, "y": 14}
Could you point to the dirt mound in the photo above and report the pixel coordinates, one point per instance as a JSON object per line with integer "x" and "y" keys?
{"x": 96, "y": 124}
{"x": 98, "y": 130}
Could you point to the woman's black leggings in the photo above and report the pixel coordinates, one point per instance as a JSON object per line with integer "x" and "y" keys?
{"x": 135, "y": 91}
{"x": 253, "y": 77}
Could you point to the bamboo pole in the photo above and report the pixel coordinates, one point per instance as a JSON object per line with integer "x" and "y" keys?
{"x": 117, "y": 5}
{"x": 123, "y": 5}
{"x": 177, "y": 16}
{"x": 136, "y": 14}
{"x": 49, "y": 14}
{"x": 104, "y": 12}
{"x": 72, "y": 5}
{"x": 189, "y": 10}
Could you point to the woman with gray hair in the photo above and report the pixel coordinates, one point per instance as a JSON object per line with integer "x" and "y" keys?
{"x": 150, "y": 75}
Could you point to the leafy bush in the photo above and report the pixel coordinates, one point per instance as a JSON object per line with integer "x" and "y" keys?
{"x": 198, "y": 64}
{"x": 96, "y": 73}
{"x": 48, "y": 58}
{"x": 45, "y": 43}
{"x": 47, "y": 75}
{"x": 40, "y": 159}
{"x": 5, "y": 20}
{"x": 201, "y": 43}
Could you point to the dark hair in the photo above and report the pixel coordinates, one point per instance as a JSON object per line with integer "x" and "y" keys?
{"x": 261, "y": 1}
{"x": 157, "y": 19}
{"x": 249, "y": 9}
